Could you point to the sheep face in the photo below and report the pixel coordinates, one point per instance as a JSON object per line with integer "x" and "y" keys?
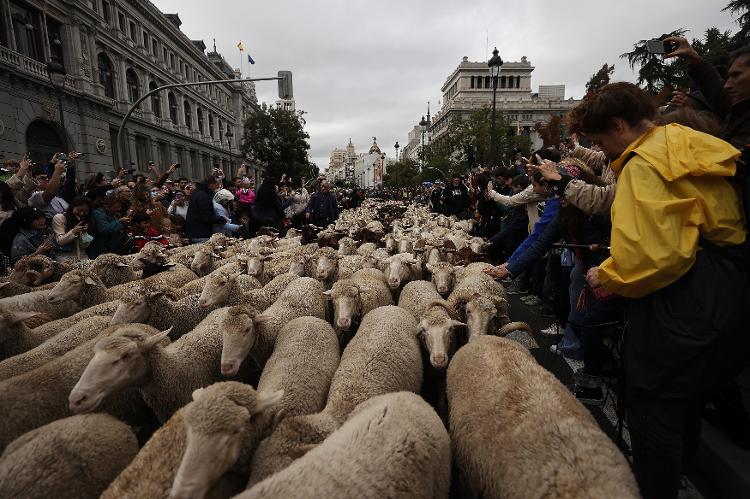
{"x": 216, "y": 290}
{"x": 443, "y": 277}
{"x": 213, "y": 442}
{"x": 152, "y": 252}
{"x": 134, "y": 307}
{"x": 326, "y": 267}
{"x": 118, "y": 362}
{"x": 298, "y": 264}
{"x": 71, "y": 286}
{"x": 347, "y": 304}
{"x": 397, "y": 271}
{"x": 238, "y": 338}
{"x": 347, "y": 246}
{"x": 390, "y": 243}
{"x": 437, "y": 334}
{"x": 255, "y": 263}
{"x": 477, "y": 245}
{"x": 405, "y": 245}
{"x": 203, "y": 261}
{"x": 433, "y": 255}
{"x": 479, "y": 313}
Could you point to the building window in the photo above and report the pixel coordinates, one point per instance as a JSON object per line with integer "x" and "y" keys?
{"x": 154, "y": 47}
{"x": 503, "y": 82}
{"x": 132, "y": 31}
{"x": 105, "y": 75}
{"x": 172, "y": 101}
{"x": 55, "y": 41}
{"x": 121, "y": 21}
{"x": 131, "y": 82}
{"x": 171, "y": 61}
{"x": 164, "y": 55}
{"x": 27, "y": 29}
{"x": 472, "y": 82}
{"x": 518, "y": 82}
{"x": 479, "y": 81}
{"x": 146, "y": 45}
{"x": 210, "y": 125}
{"x": 105, "y": 12}
{"x": 200, "y": 120}
{"x": 155, "y": 99}
{"x": 188, "y": 116}
{"x": 221, "y": 132}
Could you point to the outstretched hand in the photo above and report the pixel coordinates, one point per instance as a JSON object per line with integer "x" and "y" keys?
{"x": 682, "y": 48}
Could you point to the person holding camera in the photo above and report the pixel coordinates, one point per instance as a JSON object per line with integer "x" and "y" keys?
{"x": 33, "y": 237}
{"x": 110, "y": 227}
{"x": 70, "y": 230}
{"x": 730, "y": 99}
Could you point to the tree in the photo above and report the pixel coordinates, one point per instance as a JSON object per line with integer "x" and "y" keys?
{"x": 715, "y": 46}
{"x": 276, "y": 138}
{"x": 740, "y": 10}
{"x": 600, "y": 78}
{"x": 404, "y": 173}
{"x": 550, "y": 132}
{"x": 654, "y": 72}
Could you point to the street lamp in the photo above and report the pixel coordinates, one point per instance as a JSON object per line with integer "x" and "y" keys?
{"x": 494, "y": 64}
{"x": 423, "y": 124}
{"x": 56, "y": 73}
{"x": 396, "y": 146}
{"x": 229, "y": 136}
{"x": 367, "y": 178}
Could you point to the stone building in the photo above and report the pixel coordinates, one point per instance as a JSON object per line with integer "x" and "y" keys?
{"x": 114, "y": 51}
{"x": 469, "y": 87}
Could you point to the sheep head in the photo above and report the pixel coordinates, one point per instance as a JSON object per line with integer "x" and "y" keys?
{"x": 326, "y": 265}
{"x": 136, "y": 305}
{"x": 480, "y": 312}
{"x": 152, "y": 252}
{"x": 398, "y": 270}
{"x": 405, "y": 245}
{"x": 347, "y": 303}
{"x": 239, "y": 336}
{"x": 10, "y": 321}
{"x": 73, "y": 285}
{"x": 298, "y": 265}
{"x": 216, "y": 289}
{"x": 203, "y": 260}
{"x": 437, "y": 331}
{"x": 443, "y": 277}
{"x": 347, "y": 246}
{"x": 119, "y": 361}
{"x": 217, "y": 423}
{"x": 256, "y": 262}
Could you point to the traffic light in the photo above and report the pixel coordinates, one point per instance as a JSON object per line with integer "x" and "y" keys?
{"x": 285, "y": 85}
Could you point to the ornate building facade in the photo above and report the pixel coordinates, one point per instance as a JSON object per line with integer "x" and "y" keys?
{"x": 113, "y": 52}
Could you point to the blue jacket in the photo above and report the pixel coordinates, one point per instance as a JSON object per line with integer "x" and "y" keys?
{"x": 535, "y": 251}
{"x": 108, "y": 234}
{"x": 548, "y": 215}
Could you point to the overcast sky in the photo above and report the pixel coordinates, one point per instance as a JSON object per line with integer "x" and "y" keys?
{"x": 368, "y": 68}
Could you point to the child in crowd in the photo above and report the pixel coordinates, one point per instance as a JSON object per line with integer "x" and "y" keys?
{"x": 143, "y": 231}
{"x": 176, "y": 226}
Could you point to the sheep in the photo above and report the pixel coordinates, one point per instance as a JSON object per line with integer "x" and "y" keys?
{"x": 10, "y": 288}
{"x": 405, "y": 245}
{"x": 366, "y": 249}
{"x": 55, "y": 327}
{"x": 15, "y": 336}
{"x": 151, "y": 473}
{"x": 165, "y": 376}
{"x": 265, "y": 267}
{"x": 38, "y": 301}
{"x": 516, "y": 431}
{"x": 436, "y": 318}
{"x": 482, "y": 318}
{"x": 38, "y": 397}
{"x": 113, "y": 269}
{"x": 36, "y": 270}
{"x": 393, "y": 445}
{"x": 31, "y": 465}
{"x": 333, "y": 267}
{"x": 299, "y": 371}
{"x": 391, "y": 245}
{"x": 355, "y": 297}
{"x": 36, "y": 353}
{"x": 443, "y": 277}
{"x": 400, "y": 269}
{"x": 205, "y": 261}
{"x": 383, "y": 357}
{"x": 480, "y": 284}
{"x": 245, "y": 329}
{"x": 347, "y": 246}
{"x": 226, "y": 290}
{"x": 378, "y": 258}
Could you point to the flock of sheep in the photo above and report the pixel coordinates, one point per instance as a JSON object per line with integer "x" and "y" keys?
{"x": 366, "y": 359}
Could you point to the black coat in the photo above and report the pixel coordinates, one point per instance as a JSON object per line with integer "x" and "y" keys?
{"x": 323, "y": 208}
{"x": 456, "y": 199}
{"x": 201, "y": 217}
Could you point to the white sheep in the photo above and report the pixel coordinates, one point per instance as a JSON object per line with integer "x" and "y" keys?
{"x": 38, "y": 301}
{"x": 31, "y": 353}
{"x": 39, "y": 396}
{"x": 355, "y": 297}
{"x": 227, "y": 290}
{"x": 75, "y": 457}
{"x": 300, "y": 370}
{"x": 246, "y": 330}
{"x": 383, "y": 357}
{"x": 400, "y": 269}
{"x": 393, "y": 445}
{"x": 165, "y": 375}
{"x": 347, "y": 246}
{"x": 518, "y": 432}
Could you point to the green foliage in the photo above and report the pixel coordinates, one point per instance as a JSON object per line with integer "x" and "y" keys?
{"x": 404, "y": 173}
{"x": 654, "y": 72}
{"x": 550, "y": 132}
{"x": 740, "y": 10}
{"x": 276, "y": 138}
{"x": 600, "y": 78}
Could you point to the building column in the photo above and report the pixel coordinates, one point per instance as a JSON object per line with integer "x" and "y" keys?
{"x": 8, "y": 22}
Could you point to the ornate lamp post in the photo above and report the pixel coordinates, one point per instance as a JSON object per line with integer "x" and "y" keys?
{"x": 494, "y": 64}
{"x": 396, "y": 146}
{"x": 56, "y": 73}
{"x": 423, "y": 124}
{"x": 229, "y": 136}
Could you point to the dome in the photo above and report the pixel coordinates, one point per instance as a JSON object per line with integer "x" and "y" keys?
{"x": 374, "y": 149}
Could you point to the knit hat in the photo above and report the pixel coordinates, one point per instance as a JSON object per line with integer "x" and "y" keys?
{"x": 223, "y": 195}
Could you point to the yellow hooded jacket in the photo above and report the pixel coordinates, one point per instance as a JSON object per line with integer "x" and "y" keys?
{"x": 670, "y": 192}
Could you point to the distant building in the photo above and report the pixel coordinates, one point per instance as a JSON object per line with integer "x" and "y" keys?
{"x": 469, "y": 88}
{"x": 411, "y": 149}
{"x": 341, "y": 164}
{"x": 114, "y": 51}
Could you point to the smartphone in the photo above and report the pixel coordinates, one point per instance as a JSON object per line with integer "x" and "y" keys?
{"x": 177, "y": 165}
{"x": 62, "y": 156}
{"x": 129, "y": 172}
{"x": 656, "y": 46}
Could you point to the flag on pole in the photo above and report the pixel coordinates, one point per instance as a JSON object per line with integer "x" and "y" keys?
{"x": 240, "y": 46}
{"x": 250, "y": 59}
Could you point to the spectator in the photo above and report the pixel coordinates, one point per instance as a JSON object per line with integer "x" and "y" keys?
{"x": 300, "y": 199}
{"x": 8, "y": 225}
{"x": 200, "y": 217}
{"x": 70, "y": 231}
{"x": 323, "y": 208}
{"x": 514, "y": 229}
{"x": 179, "y": 205}
{"x": 457, "y": 198}
{"x": 141, "y": 230}
{"x": 436, "y": 198}
{"x": 8, "y": 204}
{"x": 177, "y": 231}
{"x": 222, "y": 207}
{"x": 110, "y": 228}
{"x": 97, "y": 186}
{"x": 45, "y": 197}
{"x": 245, "y": 194}
{"x": 686, "y": 309}
{"x": 32, "y": 238}
{"x": 22, "y": 182}
{"x": 268, "y": 209}
{"x": 730, "y": 99}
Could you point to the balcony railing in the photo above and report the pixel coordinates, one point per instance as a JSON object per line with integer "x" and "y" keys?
{"x": 32, "y": 67}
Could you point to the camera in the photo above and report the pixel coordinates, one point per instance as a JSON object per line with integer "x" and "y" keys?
{"x": 177, "y": 165}
{"x": 656, "y": 46}
{"x": 61, "y": 156}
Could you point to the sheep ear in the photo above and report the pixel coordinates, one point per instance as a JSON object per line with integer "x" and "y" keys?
{"x": 267, "y": 400}
{"x": 197, "y": 394}
{"x": 3, "y": 284}
{"x": 327, "y": 293}
{"x": 16, "y": 317}
{"x": 457, "y": 323}
{"x": 90, "y": 281}
{"x": 430, "y": 267}
{"x": 121, "y": 265}
{"x": 214, "y": 255}
{"x": 267, "y": 258}
{"x": 156, "y": 339}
